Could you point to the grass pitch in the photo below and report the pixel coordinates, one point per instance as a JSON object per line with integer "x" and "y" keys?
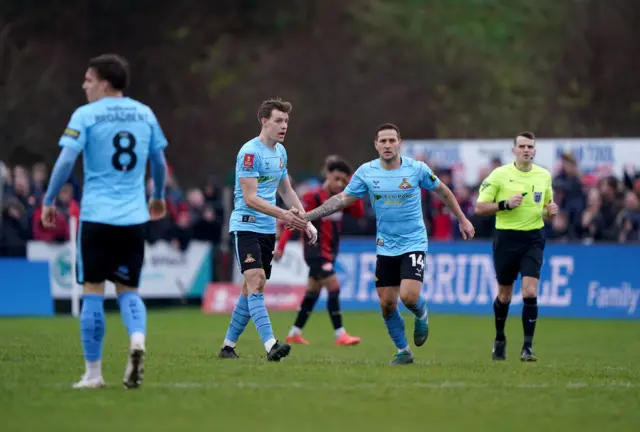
{"x": 587, "y": 379}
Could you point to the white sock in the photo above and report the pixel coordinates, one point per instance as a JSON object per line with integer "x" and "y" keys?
{"x": 228, "y": 343}
{"x": 137, "y": 340}
{"x": 93, "y": 368}
{"x": 295, "y": 331}
{"x": 340, "y": 332}
{"x": 269, "y": 344}
{"x": 425, "y": 315}
{"x": 404, "y": 349}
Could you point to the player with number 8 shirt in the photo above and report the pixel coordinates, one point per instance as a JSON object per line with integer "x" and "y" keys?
{"x": 117, "y": 135}
{"x": 393, "y": 184}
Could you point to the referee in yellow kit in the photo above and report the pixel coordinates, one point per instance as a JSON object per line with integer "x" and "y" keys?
{"x": 520, "y": 195}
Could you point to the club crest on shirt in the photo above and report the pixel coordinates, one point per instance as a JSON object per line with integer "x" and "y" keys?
{"x": 249, "y": 259}
{"x": 281, "y": 163}
{"x": 405, "y": 184}
{"x": 537, "y": 197}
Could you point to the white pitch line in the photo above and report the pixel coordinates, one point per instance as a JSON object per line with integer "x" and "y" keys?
{"x": 369, "y": 386}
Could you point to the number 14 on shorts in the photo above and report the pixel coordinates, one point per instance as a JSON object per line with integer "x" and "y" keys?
{"x": 417, "y": 260}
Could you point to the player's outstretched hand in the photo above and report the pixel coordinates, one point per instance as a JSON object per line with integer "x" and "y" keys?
{"x": 552, "y": 209}
{"x": 515, "y": 201}
{"x": 312, "y": 233}
{"x": 467, "y": 230}
{"x": 293, "y": 218}
{"x": 157, "y": 209}
{"x": 48, "y": 217}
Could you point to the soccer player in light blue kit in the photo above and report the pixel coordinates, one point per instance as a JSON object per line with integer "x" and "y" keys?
{"x": 393, "y": 184}
{"x": 261, "y": 170}
{"x": 117, "y": 135}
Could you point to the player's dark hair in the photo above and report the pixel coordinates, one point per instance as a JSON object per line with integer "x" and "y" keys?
{"x": 112, "y": 68}
{"x": 525, "y": 134}
{"x": 387, "y": 126}
{"x": 339, "y": 165}
{"x": 268, "y": 106}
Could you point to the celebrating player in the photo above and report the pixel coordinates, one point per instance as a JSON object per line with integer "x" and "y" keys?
{"x": 519, "y": 194}
{"x": 261, "y": 169}
{"x": 393, "y": 184}
{"x": 321, "y": 256}
{"x": 117, "y": 135}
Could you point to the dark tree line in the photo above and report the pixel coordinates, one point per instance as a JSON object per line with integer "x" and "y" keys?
{"x": 438, "y": 68}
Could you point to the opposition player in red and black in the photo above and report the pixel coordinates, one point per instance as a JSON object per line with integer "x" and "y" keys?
{"x": 321, "y": 256}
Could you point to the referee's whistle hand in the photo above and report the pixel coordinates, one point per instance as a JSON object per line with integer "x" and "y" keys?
{"x": 515, "y": 201}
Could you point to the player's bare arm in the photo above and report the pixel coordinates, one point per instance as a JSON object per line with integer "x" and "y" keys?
{"x": 249, "y": 187}
{"x": 332, "y": 205}
{"x": 291, "y": 200}
{"x": 288, "y": 195}
{"x": 445, "y": 194}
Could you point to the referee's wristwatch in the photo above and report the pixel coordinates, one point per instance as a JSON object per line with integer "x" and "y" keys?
{"x": 504, "y": 205}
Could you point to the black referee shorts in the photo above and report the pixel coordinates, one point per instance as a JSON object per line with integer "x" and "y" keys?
{"x": 517, "y": 252}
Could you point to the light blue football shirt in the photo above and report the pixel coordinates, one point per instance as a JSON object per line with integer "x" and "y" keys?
{"x": 397, "y": 202}
{"x": 116, "y": 136}
{"x": 269, "y": 166}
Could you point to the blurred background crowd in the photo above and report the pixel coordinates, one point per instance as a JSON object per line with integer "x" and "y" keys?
{"x": 479, "y": 70}
{"x": 592, "y": 209}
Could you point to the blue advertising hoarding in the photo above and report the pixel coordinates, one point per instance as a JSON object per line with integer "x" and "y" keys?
{"x": 594, "y": 281}
{"x": 24, "y": 288}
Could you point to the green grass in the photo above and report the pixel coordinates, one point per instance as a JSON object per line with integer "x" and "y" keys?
{"x": 588, "y": 378}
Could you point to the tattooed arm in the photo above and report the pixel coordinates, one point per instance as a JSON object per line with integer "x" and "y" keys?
{"x": 331, "y": 206}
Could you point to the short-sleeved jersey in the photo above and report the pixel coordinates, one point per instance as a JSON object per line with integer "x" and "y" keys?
{"x": 397, "y": 202}
{"x": 507, "y": 181}
{"x": 269, "y": 166}
{"x": 116, "y": 136}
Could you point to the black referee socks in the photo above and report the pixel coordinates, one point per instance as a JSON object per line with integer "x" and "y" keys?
{"x": 500, "y": 312}
{"x": 529, "y": 319}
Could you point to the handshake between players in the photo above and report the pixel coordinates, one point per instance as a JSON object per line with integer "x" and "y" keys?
{"x": 294, "y": 219}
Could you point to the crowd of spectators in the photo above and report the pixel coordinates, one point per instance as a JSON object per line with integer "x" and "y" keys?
{"x": 593, "y": 209}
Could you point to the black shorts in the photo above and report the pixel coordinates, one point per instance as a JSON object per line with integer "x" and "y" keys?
{"x": 320, "y": 268}
{"x": 254, "y": 251}
{"x": 110, "y": 252}
{"x": 390, "y": 270}
{"x": 517, "y": 252}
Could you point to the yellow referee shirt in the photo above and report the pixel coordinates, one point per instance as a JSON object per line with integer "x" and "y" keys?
{"x": 507, "y": 181}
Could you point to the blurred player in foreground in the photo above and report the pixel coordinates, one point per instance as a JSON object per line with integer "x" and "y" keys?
{"x": 321, "y": 256}
{"x": 393, "y": 184}
{"x": 117, "y": 135}
{"x": 520, "y": 195}
{"x": 261, "y": 170}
